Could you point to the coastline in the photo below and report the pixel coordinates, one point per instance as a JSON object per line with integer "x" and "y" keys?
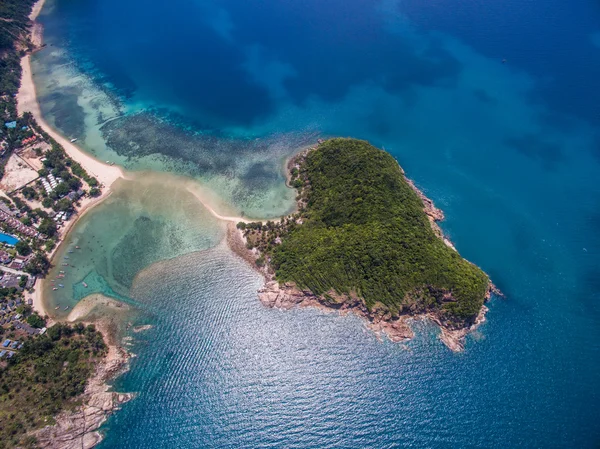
{"x": 288, "y": 295}
{"x": 38, "y": 295}
{"x": 27, "y": 102}
{"x": 77, "y": 428}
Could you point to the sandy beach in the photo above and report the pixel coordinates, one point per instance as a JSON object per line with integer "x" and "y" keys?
{"x": 106, "y": 174}
{"x": 27, "y": 102}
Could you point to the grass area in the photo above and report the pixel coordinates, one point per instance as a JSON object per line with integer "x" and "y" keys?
{"x": 44, "y": 378}
{"x": 364, "y": 233}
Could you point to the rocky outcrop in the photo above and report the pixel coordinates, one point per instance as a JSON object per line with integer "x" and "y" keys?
{"x": 78, "y": 429}
{"x": 287, "y": 296}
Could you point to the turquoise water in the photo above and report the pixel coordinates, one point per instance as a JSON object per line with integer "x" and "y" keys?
{"x": 222, "y": 92}
{"x": 5, "y": 238}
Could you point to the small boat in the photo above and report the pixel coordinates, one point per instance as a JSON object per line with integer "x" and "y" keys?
{"x": 73, "y": 140}
{"x": 66, "y": 257}
{"x": 65, "y": 264}
{"x": 61, "y": 286}
{"x": 66, "y": 307}
{"x": 70, "y": 251}
{"x": 84, "y": 284}
{"x": 57, "y": 307}
{"x": 54, "y": 289}
{"x": 77, "y": 247}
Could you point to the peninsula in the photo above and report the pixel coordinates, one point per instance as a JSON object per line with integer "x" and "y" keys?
{"x": 364, "y": 239}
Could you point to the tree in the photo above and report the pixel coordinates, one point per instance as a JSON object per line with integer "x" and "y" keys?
{"x": 28, "y": 193}
{"x": 38, "y": 265}
{"x": 74, "y": 184}
{"x": 23, "y": 248}
{"x": 47, "y": 227}
{"x": 47, "y": 202}
{"x": 63, "y": 205}
{"x": 62, "y": 189}
{"x": 95, "y": 192}
{"x": 35, "y": 320}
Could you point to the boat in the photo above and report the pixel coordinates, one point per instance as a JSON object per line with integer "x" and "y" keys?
{"x": 77, "y": 247}
{"x": 57, "y": 307}
{"x": 70, "y": 251}
{"x": 54, "y": 289}
{"x": 84, "y": 284}
{"x": 66, "y": 307}
{"x": 73, "y": 140}
{"x": 65, "y": 264}
{"x": 61, "y": 286}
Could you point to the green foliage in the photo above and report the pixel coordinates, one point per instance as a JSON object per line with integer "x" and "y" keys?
{"x": 364, "y": 232}
{"x": 62, "y": 189}
{"x": 64, "y": 204}
{"x": 47, "y": 202}
{"x": 38, "y": 265}
{"x": 45, "y": 377}
{"x": 94, "y": 192}
{"x": 23, "y": 248}
{"x": 34, "y": 320}
{"x": 47, "y": 227}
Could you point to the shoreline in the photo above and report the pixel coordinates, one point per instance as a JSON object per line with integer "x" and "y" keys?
{"x": 27, "y": 102}
{"x": 78, "y": 428}
{"x": 288, "y": 295}
{"x": 38, "y": 295}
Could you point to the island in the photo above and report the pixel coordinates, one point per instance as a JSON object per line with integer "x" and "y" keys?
{"x": 364, "y": 239}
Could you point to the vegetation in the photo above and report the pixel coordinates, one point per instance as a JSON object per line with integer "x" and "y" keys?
{"x": 14, "y": 15}
{"x": 361, "y": 232}
{"x": 45, "y": 377}
{"x": 23, "y": 248}
{"x": 38, "y": 265}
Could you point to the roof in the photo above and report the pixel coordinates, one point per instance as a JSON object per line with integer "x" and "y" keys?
{"x": 11, "y": 124}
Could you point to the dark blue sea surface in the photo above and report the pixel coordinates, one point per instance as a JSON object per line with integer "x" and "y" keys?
{"x": 493, "y": 108}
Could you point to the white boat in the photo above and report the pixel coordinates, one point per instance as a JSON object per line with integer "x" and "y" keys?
{"x": 73, "y": 140}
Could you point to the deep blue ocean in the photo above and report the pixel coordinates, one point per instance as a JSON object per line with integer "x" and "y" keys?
{"x": 493, "y": 108}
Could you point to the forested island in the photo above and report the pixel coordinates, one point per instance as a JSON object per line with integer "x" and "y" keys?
{"x": 365, "y": 239}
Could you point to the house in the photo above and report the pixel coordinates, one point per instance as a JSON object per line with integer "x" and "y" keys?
{"x": 5, "y": 208}
{"x": 18, "y": 263}
{"x": 11, "y": 125}
{"x": 14, "y": 344}
{"x": 6, "y": 343}
{"x": 27, "y": 328}
{"x": 2, "y": 353}
{"x": 5, "y": 257}
{"x": 8, "y": 281}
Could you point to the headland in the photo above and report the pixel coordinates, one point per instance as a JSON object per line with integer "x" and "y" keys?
{"x": 364, "y": 240}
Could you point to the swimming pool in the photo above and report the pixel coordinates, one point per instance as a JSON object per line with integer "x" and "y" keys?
{"x": 5, "y": 238}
